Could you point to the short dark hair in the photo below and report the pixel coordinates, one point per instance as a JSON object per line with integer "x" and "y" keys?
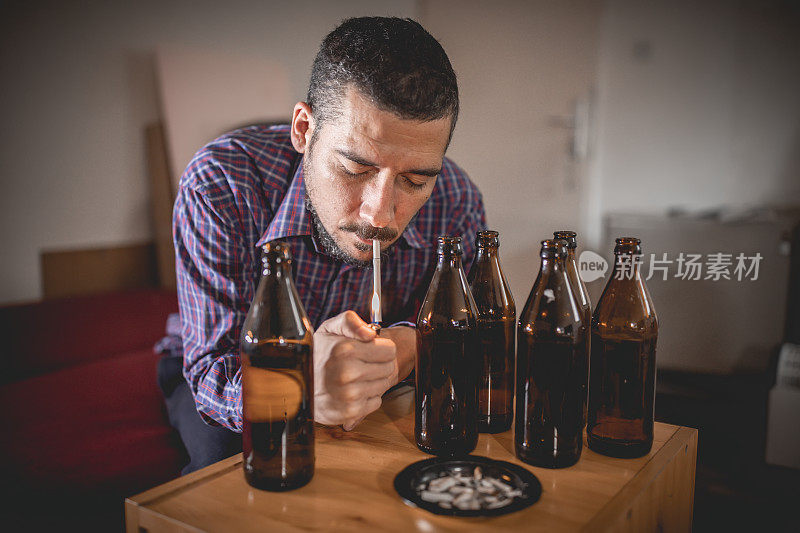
{"x": 395, "y": 62}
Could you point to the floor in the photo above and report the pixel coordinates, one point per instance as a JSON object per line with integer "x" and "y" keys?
{"x": 735, "y": 490}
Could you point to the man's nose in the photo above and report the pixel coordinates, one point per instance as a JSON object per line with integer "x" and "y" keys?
{"x": 377, "y": 201}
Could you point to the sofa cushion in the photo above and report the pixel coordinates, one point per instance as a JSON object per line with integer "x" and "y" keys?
{"x": 98, "y": 426}
{"x": 55, "y": 334}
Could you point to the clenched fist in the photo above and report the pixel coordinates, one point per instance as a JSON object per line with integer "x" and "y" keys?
{"x": 353, "y": 367}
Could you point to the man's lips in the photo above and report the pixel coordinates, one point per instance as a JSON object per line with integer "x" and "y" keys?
{"x": 368, "y": 242}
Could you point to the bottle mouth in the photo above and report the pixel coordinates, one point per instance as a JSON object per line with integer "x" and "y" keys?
{"x": 488, "y": 239}
{"x": 553, "y": 248}
{"x": 448, "y": 245}
{"x": 276, "y": 251}
{"x": 628, "y": 245}
{"x": 569, "y": 236}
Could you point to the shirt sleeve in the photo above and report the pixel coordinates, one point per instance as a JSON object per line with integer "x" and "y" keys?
{"x": 215, "y": 285}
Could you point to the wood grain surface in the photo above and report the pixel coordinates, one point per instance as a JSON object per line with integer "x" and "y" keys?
{"x": 353, "y": 488}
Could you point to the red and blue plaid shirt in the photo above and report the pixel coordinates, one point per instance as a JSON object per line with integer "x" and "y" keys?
{"x": 240, "y": 192}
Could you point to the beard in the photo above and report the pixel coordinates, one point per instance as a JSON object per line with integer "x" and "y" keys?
{"x": 329, "y": 244}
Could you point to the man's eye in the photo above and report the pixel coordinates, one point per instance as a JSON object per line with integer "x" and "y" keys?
{"x": 344, "y": 170}
{"x": 413, "y": 184}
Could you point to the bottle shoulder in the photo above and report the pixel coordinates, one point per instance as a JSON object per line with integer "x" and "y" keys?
{"x": 625, "y": 310}
{"x": 493, "y": 296}
{"x": 276, "y": 312}
{"x": 448, "y": 302}
{"x": 552, "y": 306}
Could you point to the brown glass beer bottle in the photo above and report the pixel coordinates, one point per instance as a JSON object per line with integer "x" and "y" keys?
{"x": 277, "y": 380}
{"x": 623, "y": 362}
{"x": 579, "y": 288}
{"x": 552, "y": 367}
{"x": 447, "y": 363}
{"x": 497, "y": 335}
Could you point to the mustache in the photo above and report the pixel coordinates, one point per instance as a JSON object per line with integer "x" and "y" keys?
{"x": 370, "y": 232}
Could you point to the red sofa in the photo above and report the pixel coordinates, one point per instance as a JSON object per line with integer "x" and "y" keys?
{"x": 85, "y": 424}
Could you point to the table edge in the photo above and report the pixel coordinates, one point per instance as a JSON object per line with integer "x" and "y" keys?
{"x": 185, "y": 482}
{"x": 605, "y": 518}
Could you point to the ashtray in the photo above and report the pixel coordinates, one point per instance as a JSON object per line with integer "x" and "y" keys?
{"x": 467, "y": 486}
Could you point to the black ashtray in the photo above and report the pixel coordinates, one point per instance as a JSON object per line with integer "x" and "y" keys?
{"x": 413, "y": 485}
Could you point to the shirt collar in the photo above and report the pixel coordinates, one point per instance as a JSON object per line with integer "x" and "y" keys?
{"x": 292, "y": 219}
{"x": 413, "y": 237}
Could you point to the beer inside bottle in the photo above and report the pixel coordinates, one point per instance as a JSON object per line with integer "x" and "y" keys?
{"x": 552, "y": 367}
{"x": 447, "y": 363}
{"x": 497, "y": 328}
{"x": 623, "y": 361}
{"x": 277, "y": 380}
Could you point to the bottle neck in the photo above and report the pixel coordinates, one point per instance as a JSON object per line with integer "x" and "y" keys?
{"x": 486, "y": 254}
{"x": 627, "y": 266}
{"x": 552, "y": 263}
{"x": 570, "y": 262}
{"x": 448, "y": 261}
{"x": 280, "y": 269}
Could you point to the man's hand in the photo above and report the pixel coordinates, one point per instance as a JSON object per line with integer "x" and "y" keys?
{"x": 353, "y": 367}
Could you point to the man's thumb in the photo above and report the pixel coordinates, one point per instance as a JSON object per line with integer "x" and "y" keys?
{"x": 350, "y": 325}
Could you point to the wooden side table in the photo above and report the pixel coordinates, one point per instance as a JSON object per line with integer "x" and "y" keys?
{"x": 353, "y": 488}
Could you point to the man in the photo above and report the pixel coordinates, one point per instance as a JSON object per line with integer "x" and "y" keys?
{"x": 362, "y": 159}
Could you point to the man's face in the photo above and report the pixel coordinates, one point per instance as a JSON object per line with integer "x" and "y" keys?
{"x": 367, "y": 174}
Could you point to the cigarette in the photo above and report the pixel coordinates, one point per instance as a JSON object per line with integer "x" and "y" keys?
{"x": 376, "y": 282}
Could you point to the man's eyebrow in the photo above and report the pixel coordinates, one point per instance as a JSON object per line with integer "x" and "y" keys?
{"x": 430, "y": 172}
{"x": 355, "y": 158}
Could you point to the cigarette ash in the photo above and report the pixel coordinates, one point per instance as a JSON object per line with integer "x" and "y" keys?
{"x": 467, "y": 492}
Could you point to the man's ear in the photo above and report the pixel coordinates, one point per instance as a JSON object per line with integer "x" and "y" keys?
{"x": 302, "y": 126}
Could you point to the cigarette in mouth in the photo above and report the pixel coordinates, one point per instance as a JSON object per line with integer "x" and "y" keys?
{"x": 376, "y": 284}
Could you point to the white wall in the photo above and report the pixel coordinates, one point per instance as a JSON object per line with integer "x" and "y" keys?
{"x": 699, "y": 106}
{"x": 521, "y": 66}
{"x": 709, "y": 115}
{"x": 78, "y": 88}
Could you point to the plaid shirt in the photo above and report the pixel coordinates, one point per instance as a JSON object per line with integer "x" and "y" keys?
{"x": 237, "y": 194}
